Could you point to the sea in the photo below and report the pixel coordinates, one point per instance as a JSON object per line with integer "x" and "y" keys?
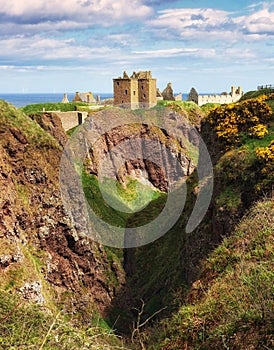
{"x": 24, "y": 99}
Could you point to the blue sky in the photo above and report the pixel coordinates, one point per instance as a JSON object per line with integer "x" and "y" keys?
{"x": 80, "y": 45}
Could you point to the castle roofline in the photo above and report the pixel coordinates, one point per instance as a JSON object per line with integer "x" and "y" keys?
{"x": 139, "y": 75}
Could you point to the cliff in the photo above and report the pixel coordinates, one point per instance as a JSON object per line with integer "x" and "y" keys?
{"x": 43, "y": 257}
{"x": 157, "y": 151}
{"x": 210, "y": 288}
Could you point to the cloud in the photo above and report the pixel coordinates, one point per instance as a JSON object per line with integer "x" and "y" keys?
{"x": 176, "y": 52}
{"x": 120, "y": 39}
{"x": 84, "y": 12}
{"x": 20, "y": 50}
{"x": 200, "y": 24}
{"x": 258, "y": 23}
{"x": 190, "y": 23}
{"x": 158, "y": 2}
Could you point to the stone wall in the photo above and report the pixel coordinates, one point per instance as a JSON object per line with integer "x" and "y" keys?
{"x": 147, "y": 92}
{"x": 203, "y": 99}
{"x": 233, "y": 96}
{"x": 152, "y": 93}
{"x": 122, "y": 91}
{"x": 71, "y": 119}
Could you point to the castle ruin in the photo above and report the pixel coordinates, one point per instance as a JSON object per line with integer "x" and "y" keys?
{"x": 233, "y": 96}
{"x": 84, "y": 97}
{"x": 137, "y": 91}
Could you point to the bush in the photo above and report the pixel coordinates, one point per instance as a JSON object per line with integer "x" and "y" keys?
{"x": 232, "y": 122}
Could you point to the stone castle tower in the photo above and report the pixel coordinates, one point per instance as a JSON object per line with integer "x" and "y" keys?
{"x": 137, "y": 91}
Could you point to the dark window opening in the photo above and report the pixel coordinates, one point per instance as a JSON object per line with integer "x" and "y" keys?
{"x": 80, "y": 118}
{"x": 144, "y": 95}
{"x": 118, "y": 83}
{"x": 134, "y": 93}
{"x": 126, "y": 92}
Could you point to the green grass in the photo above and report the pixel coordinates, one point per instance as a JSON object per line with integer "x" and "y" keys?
{"x": 129, "y": 199}
{"x": 208, "y": 106}
{"x": 190, "y": 109}
{"x": 232, "y": 305}
{"x": 13, "y": 118}
{"x": 27, "y": 326}
{"x": 256, "y": 93}
{"x": 63, "y": 107}
{"x": 98, "y": 204}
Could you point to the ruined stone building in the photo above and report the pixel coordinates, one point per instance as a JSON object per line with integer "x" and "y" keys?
{"x": 226, "y": 97}
{"x": 137, "y": 91}
{"x": 84, "y": 97}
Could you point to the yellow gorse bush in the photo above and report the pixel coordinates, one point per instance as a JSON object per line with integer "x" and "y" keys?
{"x": 266, "y": 153}
{"x": 265, "y": 157}
{"x": 259, "y": 131}
{"x": 250, "y": 116}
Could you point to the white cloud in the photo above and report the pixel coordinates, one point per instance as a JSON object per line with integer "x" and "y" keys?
{"x": 97, "y": 12}
{"x": 192, "y": 23}
{"x": 213, "y": 24}
{"x": 176, "y": 52}
{"x": 258, "y": 23}
{"x": 22, "y": 49}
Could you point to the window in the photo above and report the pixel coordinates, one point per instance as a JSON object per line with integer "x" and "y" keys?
{"x": 118, "y": 83}
{"x": 144, "y": 95}
{"x": 134, "y": 93}
{"x": 126, "y": 92}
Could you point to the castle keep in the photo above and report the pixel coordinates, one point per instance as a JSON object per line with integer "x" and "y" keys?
{"x": 137, "y": 91}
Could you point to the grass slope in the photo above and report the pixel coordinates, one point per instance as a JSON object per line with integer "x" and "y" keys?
{"x": 27, "y": 326}
{"x": 232, "y": 305}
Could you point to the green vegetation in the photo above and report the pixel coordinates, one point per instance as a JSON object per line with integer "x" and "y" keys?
{"x": 187, "y": 108}
{"x": 255, "y": 94}
{"x": 17, "y": 121}
{"x": 59, "y": 106}
{"x": 132, "y": 197}
{"x": 232, "y": 305}
{"x": 206, "y": 108}
{"x": 62, "y": 107}
{"x": 25, "y": 326}
{"x": 216, "y": 313}
{"x": 230, "y": 122}
{"x": 98, "y": 204}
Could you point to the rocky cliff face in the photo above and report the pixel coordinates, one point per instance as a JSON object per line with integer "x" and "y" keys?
{"x": 161, "y": 158}
{"x": 38, "y": 242}
{"x": 42, "y": 256}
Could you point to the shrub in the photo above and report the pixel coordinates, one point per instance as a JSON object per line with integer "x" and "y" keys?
{"x": 258, "y": 131}
{"x": 231, "y": 122}
{"x": 265, "y": 156}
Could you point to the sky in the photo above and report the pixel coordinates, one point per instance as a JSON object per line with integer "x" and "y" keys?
{"x": 81, "y": 45}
